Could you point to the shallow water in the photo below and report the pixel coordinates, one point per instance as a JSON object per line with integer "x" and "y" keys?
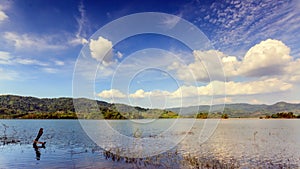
{"x": 237, "y": 143}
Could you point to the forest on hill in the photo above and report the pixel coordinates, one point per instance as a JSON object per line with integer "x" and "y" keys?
{"x": 20, "y": 107}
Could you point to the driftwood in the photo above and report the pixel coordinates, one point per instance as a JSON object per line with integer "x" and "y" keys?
{"x": 36, "y": 140}
{"x": 36, "y": 147}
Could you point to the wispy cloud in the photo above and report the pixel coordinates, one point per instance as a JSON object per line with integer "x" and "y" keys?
{"x": 171, "y": 21}
{"x": 6, "y": 74}
{"x": 7, "y": 59}
{"x": 59, "y": 63}
{"x": 25, "y": 61}
{"x": 82, "y": 22}
{"x": 234, "y": 25}
{"x": 29, "y": 42}
{"x": 50, "y": 70}
{"x": 119, "y": 55}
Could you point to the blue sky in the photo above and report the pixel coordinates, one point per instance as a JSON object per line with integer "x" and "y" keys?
{"x": 256, "y": 42}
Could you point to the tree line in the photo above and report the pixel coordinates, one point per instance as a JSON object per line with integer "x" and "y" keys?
{"x": 284, "y": 115}
{"x": 18, "y": 107}
{"x": 205, "y": 115}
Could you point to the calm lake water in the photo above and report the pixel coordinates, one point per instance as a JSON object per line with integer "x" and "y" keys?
{"x": 236, "y": 143}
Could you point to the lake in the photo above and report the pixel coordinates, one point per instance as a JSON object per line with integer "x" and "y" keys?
{"x": 234, "y": 143}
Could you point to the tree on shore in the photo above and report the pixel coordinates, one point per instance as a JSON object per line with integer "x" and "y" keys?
{"x": 202, "y": 115}
{"x": 224, "y": 116}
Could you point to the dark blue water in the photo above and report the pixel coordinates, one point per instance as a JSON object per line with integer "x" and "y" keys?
{"x": 67, "y": 145}
{"x": 246, "y": 143}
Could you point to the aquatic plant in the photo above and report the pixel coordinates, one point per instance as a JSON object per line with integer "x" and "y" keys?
{"x": 170, "y": 159}
{"x": 8, "y": 140}
{"x": 5, "y": 129}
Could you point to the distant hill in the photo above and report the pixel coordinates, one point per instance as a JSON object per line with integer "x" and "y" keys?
{"x": 242, "y": 109}
{"x": 12, "y": 106}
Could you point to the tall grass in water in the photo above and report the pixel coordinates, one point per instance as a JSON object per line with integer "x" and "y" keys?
{"x": 170, "y": 159}
{"x": 4, "y": 139}
{"x": 175, "y": 159}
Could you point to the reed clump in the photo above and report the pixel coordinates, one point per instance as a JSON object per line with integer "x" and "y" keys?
{"x": 5, "y": 139}
{"x": 171, "y": 159}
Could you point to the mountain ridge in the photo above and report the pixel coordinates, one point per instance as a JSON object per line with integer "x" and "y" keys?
{"x": 244, "y": 109}
{"x": 14, "y": 106}
{"x": 24, "y": 105}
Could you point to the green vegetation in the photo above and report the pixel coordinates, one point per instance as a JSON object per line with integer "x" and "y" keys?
{"x": 168, "y": 114}
{"x": 18, "y": 107}
{"x": 284, "y": 115}
{"x": 55, "y": 115}
{"x": 224, "y": 116}
{"x": 202, "y": 115}
{"x": 206, "y": 115}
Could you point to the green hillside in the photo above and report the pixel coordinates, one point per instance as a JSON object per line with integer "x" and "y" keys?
{"x": 12, "y": 106}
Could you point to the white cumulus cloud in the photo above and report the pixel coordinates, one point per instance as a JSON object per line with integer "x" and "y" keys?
{"x": 143, "y": 94}
{"x": 233, "y": 88}
{"x": 139, "y": 94}
{"x": 190, "y": 95}
{"x": 223, "y": 88}
{"x": 257, "y": 87}
{"x": 213, "y": 88}
{"x": 266, "y": 58}
{"x": 101, "y": 50}
{"x": 206, "y": 66}
{"x": 293, "y": 71}
{"x": 112, "y": 93}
